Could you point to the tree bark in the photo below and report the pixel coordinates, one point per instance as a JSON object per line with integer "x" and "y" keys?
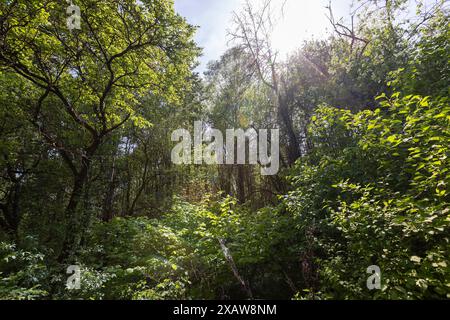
{"x": 108, "y": 203}
{"x": 73, "y": 227}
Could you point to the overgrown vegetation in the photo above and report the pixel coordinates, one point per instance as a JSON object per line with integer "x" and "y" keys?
{"x": 86, "y": 176}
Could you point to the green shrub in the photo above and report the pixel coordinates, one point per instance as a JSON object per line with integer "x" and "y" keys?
{"x": 381, "y": 196}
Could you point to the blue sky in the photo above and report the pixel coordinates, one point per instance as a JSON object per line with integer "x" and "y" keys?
{"x": 303, "y": 19}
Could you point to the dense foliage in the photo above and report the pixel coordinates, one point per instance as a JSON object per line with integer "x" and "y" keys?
{"x": 86, "y": 177}
{"x": 380, "y": 198}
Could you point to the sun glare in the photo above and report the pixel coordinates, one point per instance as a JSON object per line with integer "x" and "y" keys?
{"x": 300, "y": 20}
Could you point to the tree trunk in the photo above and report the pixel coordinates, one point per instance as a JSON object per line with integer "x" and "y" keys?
{"x": 108, "y": 203}
{"x": 293, "y": 146}
{"x": 240, "y": 183}
{"x": 72, "y": 232}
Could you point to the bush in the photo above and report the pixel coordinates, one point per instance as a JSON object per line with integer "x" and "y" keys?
{"x": 22, "y": 273}
{"x": 378, "y": 197}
